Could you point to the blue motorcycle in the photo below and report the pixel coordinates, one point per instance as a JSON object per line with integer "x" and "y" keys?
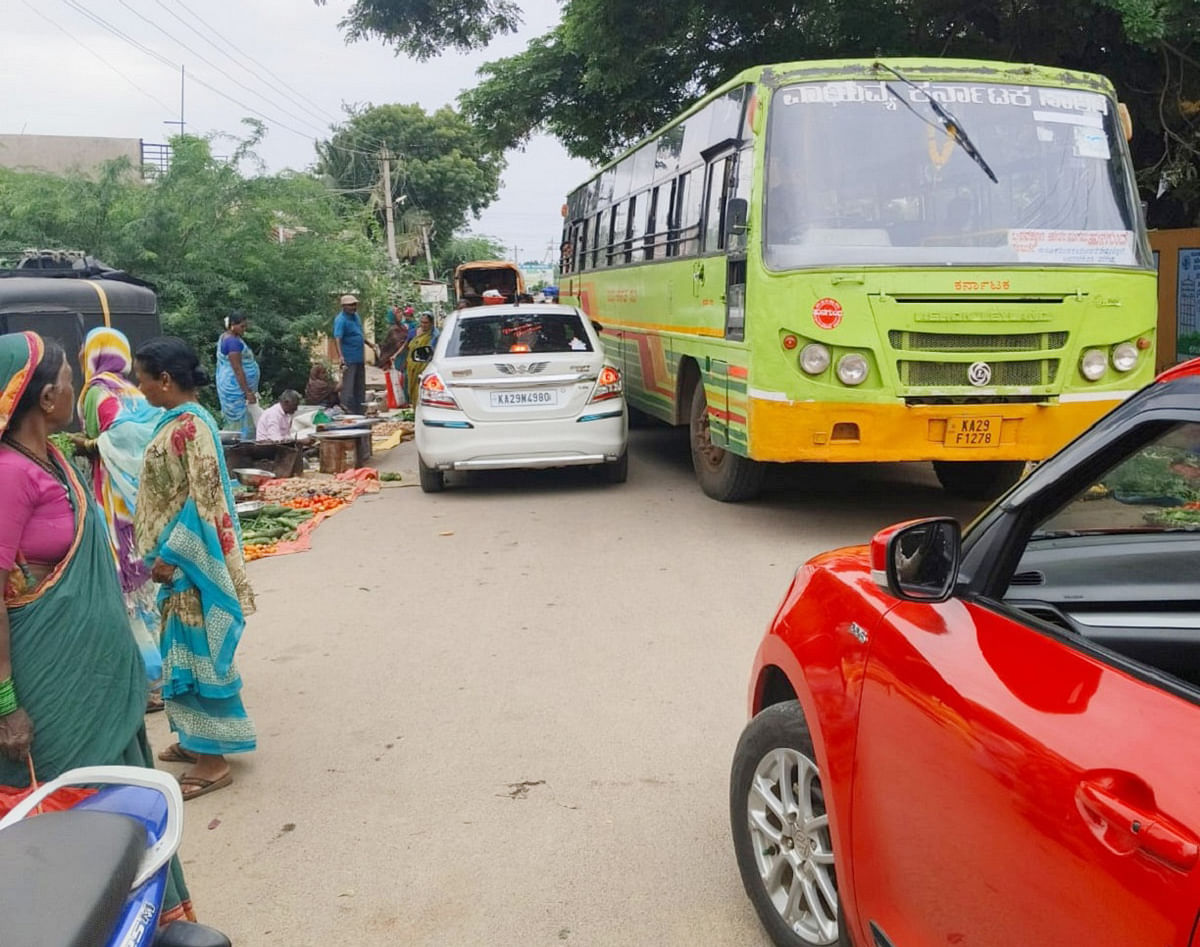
{"x": 94, "y": 875}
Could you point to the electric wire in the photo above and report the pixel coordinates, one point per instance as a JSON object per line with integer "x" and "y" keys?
{"x": 280, "y": 84}
{"x": 97, "y": 55}
{"x": 104, "y": 24}
{"x": 212, "y": 65}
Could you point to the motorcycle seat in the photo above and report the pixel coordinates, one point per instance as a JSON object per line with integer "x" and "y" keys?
{"x": 65, "y": 877}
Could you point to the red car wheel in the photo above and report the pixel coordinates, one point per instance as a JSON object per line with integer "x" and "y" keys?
{"x": 781, "y": 831}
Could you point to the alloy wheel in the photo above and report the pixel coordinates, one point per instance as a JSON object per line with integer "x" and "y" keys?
{"x": 789, "y": 829}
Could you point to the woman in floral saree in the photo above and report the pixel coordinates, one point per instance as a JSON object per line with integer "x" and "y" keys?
{"x": 72, "y": 684}
{"x": 186, "y": 526}
{"x": 118, "y": 423}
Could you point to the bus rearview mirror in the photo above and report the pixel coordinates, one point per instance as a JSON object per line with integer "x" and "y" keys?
{"x": 736, "y": 212}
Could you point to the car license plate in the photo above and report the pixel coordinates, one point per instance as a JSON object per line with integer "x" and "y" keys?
{"x": 539, "y": 398}
{"x": 973, "y": 432}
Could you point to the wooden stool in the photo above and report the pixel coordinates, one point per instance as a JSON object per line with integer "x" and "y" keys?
{"x": 344, "y": 453}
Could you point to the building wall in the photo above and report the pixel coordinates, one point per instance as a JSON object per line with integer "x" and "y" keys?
{"x": 60, "y": 154}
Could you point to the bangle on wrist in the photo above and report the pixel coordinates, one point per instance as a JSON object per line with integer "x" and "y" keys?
{"x": 8, "y": 697}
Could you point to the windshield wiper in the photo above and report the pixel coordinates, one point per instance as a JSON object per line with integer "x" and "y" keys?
{"x": 953, "y": 127}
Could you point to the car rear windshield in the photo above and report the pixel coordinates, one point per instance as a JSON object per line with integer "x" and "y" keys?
{"x": 504, "y": 334}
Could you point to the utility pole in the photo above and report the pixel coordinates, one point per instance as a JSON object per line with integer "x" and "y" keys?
{"x": 182, "y": 86}
{"x": 428, "y": 255}
{"x": 437, "y": 306}
{"x": 388, "y": 210}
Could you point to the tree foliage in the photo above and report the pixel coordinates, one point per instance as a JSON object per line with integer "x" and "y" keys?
{"x": 464, "y": 248}
{"x": 613, "y": 70}
{"x": 443, "y": 169}
{"x": 423, "y": 28}
{"x": 208, "y": 238}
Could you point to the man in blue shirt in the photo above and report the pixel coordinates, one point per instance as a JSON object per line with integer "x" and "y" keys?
{"x": 348, "y": 334}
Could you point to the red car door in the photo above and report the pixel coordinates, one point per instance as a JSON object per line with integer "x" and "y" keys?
{"x": 1012, "y": 788}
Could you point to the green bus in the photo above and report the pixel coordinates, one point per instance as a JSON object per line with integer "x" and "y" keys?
{"x": 912, "y": 260}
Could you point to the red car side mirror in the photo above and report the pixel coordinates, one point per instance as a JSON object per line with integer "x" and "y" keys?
{"x": 918, "y": 561}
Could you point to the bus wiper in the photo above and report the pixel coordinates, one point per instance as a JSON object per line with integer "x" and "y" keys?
{"x": 953, "y": 127}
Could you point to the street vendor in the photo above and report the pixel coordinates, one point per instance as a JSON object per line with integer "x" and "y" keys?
{"x": 391, "y": 352}
{"x": 276, "y": 422}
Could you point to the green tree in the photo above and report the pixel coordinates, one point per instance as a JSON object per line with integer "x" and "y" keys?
{"x": 279, "y": 247}
{"x": 613, "y": 70}
{"x": 443, "y": 170}
{"x": 423, "y": 28}
{"x": 463, "y": 248}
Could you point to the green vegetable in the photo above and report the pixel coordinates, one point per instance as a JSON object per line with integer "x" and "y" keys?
{"x": 62, "y": 441}
{"x": 390, "y": 477}
{"x": 1175, "y": 518}
{"x": 1149, "y": 474}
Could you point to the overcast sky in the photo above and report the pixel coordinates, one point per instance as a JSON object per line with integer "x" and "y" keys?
{"x": 52, "y": 85}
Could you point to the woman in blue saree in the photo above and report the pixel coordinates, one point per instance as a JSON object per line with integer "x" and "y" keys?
{"x": 72, "y": 683}
{"x": 238, "y": 376}
{"x": 187, "y": 528}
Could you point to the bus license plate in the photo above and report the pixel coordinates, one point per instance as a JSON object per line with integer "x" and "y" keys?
{"x": 973, "y": 432}
{"x": 544, "y": 398}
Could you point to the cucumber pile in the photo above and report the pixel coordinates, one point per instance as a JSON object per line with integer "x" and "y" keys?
{"x": 271, "y": 524}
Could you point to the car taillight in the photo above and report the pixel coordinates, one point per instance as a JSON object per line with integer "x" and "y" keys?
{"x": 608, "y": 385}
{"x": 434, "y": 392}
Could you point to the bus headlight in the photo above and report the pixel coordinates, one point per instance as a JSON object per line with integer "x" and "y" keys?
{"x": 1125, "y": 357}
{"x": 1094, "y": 364}
{"x": 852, "y": 369}
{"x": 814, "y": 358}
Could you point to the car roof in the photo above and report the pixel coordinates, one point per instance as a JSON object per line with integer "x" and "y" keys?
{"x": 517, "y": 309}
{"x": 1182, "y": 370}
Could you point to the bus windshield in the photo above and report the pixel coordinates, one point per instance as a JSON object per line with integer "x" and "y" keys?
{"x": 862, "y": 173}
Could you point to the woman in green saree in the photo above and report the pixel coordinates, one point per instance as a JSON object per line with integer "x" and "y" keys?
{"x": 72, "y": 683}
{"x": 425, "y": 334}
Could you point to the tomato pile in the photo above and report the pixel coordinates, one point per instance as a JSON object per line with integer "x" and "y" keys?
{"x": 322, "y": 503}
{"x": 254, "y": 551}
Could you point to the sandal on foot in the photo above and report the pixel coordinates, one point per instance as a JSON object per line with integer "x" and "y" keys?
{"x": 154, "y": 705}
{"x": 176, "y": 754}
{"x": 194, "y": 786}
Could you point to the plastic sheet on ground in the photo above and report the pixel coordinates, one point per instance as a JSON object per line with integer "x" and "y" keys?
{"x": 388, "y": 441}
{"x": 363, "y": 480}
{"x": 389, "y": 435}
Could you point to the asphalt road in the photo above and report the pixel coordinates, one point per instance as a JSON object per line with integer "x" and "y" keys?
{"x": 504, "y": 715}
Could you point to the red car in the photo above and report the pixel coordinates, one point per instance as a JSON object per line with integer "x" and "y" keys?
{"x": 993, "y": 738}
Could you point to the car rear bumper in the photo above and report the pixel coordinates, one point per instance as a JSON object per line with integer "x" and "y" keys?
{"x": 567, "y": 442}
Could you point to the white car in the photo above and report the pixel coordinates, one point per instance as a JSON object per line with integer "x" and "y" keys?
{"x": 522, "y": 386}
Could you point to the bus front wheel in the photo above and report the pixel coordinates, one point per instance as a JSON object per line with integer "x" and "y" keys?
{"x": 978, "y": 479}
{"x": 723, "y": 475}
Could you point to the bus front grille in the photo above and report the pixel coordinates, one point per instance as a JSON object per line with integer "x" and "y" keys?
{"x": 1031, "y": 373}
{"x": 955, "y": 342}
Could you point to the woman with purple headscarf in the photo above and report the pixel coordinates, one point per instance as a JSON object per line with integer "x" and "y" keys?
{"x": 118, "y": 424}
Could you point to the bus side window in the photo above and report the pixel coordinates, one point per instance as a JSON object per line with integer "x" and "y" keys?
{"x": 691, "y": 209}
{"x": 680, "y": 188}
{"x": 720, "y": 185}
{"x": 667, "y": 233}
{"x": 616, "y": 235}
{"x": 651, "y": 223}
{"x": 637, "y": 227}
{"x": 596, "y": 224}
{"x": 581, "y": 243}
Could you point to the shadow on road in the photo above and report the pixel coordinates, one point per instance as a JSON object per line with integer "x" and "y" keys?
{"x": 795, "y": 494}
